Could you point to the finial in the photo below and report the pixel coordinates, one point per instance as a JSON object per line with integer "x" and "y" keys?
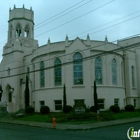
{"x": 49, "y": 41}
{"x": 67, "y": 37}
{"x": 14, "y": 6}
{"x": 88, "y": 37}
{"x": 106, "y": 40}
{"x": 31, "y": 8}
{"x": 10, "y": 9}
{"x": 88, "y": 40}
{"x": 23, "y": 5}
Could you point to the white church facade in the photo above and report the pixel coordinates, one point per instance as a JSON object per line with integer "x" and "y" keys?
{"x": 75, "y": 63}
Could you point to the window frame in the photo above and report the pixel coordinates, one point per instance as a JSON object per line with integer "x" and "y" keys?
{"x": 57, "y": 72}
{"x": 78, "y": 69}
{"x": 42, "y": 74}
{"x": 59, "y": 105}
{"x": 133, "y": 76}
{"x": 98, "y": 67}
{"x": 114, "y": 72}
{"x": 101, "y": 104}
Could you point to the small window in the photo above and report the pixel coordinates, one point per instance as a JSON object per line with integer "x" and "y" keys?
{"x": 58, "y": 105}
{"x": 116, "y": 102}
{"x": 42, "y": 103}
{"x": 135, "y": 102}
{"x": 79, "y": 102}
{"x": 101, "y": 103}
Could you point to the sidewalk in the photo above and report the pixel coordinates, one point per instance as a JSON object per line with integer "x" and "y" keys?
{"x": 70, "y": 126}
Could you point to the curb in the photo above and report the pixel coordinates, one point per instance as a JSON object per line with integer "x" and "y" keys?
{"x": 71, "y": 127}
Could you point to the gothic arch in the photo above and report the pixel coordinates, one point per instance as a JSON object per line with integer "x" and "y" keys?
{"x": 8, "y": 93}
{"x": 27, "y": 30}
{"x": 18, "y": 30}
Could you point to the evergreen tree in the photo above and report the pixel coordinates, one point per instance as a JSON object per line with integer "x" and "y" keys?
{"x": 64, "y": 98}
{"x": 95, "y": 97}
{"x": 27, "y": 94}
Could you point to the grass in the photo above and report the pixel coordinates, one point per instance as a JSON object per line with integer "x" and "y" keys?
{"x": 71, "y": 118}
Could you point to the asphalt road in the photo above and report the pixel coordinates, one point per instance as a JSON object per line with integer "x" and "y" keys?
{"x": 20, "y": 132}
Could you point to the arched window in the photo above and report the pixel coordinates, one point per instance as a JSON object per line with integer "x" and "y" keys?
{"x": 42, "y": 74}
{"x": 133, "y": 76}
{"x": 10, "y": 96}
{"x": 114, "y": 71}
{"x": 57, "y": 72}
{"x": 98, "y": 70}
{"x": 18, "y": 30}
{"x": 28, "y": 72}
{"x": 78, "y": 69}
{"x": 26, "y": 32}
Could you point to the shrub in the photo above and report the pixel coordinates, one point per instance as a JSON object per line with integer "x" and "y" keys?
{"x": 87, "y": 109}
{"x": 44, "y": 110}
{"x": 115, "y": 108}
{"x": 92, "y": 109}
{"x": 129, "y": 108}
{"x": 67, "y": 109}
{"x": 29, "y": 109}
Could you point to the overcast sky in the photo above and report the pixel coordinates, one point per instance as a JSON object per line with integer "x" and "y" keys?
{"x": 115, "y": 18}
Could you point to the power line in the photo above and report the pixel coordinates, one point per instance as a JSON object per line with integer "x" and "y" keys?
{"x": 55, "y": 15}
{"x": 75, "y": 18}
{"x": 94, "y": 33}
{"x": 62, "y": 15}
{"x": 114, "y": 25}
{"x": 61, "y": 12}
{"x": 83, "y": 59}
{"x": 104, "y": 24}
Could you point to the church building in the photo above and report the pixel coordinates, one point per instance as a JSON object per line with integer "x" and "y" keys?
{"x": 75, "y": 63}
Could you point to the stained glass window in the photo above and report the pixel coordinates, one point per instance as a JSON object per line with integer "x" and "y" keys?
{"x": 42, "y": 74}
{"x": 114, "y": 71}
{"x": 98, "y": 70}
{"x": 133, "y": 76}
{"x": 57, "y": 72}
{"x": 78, "y": 69}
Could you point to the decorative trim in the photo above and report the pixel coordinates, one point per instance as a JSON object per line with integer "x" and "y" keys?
{"x": 45, "y": 88}
{"x": 12, "y": 52}
{"x": 21, "y": 19}
{"x": 78, "y": 86}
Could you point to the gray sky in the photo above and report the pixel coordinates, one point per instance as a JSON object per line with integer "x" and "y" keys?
{"x": 115, "y": 18}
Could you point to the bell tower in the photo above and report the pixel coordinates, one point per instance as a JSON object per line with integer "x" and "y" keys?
{"x": 21, "y": 30}
{"x": 21, "y": 23}
{"x": 20, "y": 43}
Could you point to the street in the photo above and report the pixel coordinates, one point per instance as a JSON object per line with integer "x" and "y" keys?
{"x": 20, "y": 132}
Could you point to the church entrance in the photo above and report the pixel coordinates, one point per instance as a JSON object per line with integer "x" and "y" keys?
{"x": 10, "y": 102}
